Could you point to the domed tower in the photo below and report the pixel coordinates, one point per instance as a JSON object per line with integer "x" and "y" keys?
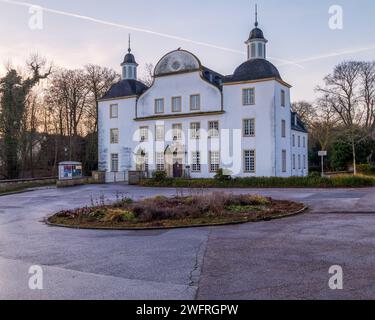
{"x": 129, "y": 66}
{"x": 256, "y": 44}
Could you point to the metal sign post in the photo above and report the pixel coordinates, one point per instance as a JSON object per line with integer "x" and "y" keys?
{"x": 322, "y": 154}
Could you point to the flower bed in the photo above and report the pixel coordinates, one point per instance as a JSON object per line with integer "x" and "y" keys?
{"x": 162, "y": 212}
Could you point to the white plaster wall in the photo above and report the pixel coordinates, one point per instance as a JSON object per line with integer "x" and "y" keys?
{"x": 267, "y": 111}
{"x": 300, "y": 151}
{"x": 183, "y": 85}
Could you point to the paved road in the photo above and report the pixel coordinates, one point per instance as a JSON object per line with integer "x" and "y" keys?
{"x": 281, "y": 259}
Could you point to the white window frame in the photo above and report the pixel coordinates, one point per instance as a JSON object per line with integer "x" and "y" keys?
{"x": 195, "y": 102}
{"x": 143, "y": 134}
{"x": 114, "y": 162}
{"x": 294, "y": 162}
{"x": 160, "y": 161}
{"x": 249, "y": 126}
{"x": 248, "y": 96}
{"x": 177, "y": 131}
{"x": 196, "y": 161}
{"x": 159, "y": 132}
{"x": 214, "y": 157}
{"x": 114, "y": 136}
{"x": 113, "y": 111}
{"x": 213, "y": 129}
{"x": 249, "y": 161}
{"x": 195, "y": 129}
{"x": 179, "y": 105}
{"x": 159, "y": 106}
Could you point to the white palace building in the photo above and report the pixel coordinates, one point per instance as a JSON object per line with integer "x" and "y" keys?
{"x": 193, "y": 121}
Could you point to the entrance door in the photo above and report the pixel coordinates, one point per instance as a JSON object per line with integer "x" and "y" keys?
{"x": 177, "y": 169}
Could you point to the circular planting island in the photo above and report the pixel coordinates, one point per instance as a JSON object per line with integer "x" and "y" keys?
{"x": 178, "y": 212}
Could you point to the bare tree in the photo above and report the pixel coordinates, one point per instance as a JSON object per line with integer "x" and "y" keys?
{"x": 99, "y": 81}
{"x": 341, "y": 89}
{"x": 305, "y": 110}
{"x": 148, "y": 77}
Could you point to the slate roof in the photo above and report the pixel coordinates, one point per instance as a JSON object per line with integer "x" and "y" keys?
{"x": 125, "y": 88}
{"x": 212, "y": 76}
{"x": 256, "y": 34}
{"x": 254, "y": 69}
{"x": 129, "y": 58}
{"x": 299, "y": 125}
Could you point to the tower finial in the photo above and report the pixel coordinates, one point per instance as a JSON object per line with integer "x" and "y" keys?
{"x": 129, "y": 49}
{"x": 256, "y": 15}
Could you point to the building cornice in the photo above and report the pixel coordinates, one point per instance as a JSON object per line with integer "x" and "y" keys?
{"x": 256, "y": 81}
{"x": 181, "y": 115}
{"x": 119, "y": 98}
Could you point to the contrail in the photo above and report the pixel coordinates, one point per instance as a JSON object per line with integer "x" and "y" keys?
{"x": 332, "y": 55}
{"x": 122, "y": 26}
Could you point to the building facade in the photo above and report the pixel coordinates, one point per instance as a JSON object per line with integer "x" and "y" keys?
{"x": 193, "y": 121}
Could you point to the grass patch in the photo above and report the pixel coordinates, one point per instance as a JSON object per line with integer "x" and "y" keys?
{"x": 345, "y": 181}
{"x": 215, "y": 208}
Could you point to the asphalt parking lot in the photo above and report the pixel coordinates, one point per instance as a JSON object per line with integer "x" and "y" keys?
{"x": 282, "y": 259}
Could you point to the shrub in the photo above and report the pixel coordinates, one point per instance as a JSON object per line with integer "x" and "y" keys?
{"x": 222, "y": 176}
{"x": 119, "y": 216}
{"x": 123, "y": 203}
{"x": 366, "y": 168}
{"x": 159, "y": 176}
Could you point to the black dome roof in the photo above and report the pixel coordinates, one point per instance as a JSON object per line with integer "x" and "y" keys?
{"x": 256, "y": 34}
{"x": 129, "y": 58}
{"x": 254, "y": 69}
{"x": 126, "y": 88}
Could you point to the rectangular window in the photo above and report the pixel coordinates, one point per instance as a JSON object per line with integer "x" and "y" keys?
{"x": 114, "y": 162}
{"x": 253, "y": 50}
{"x": 113, "y": 111}
{"x": 196, "y": 162}
{"x": 160, "y": 163}
{"x": 249, "y": 161}
{"x": 249, "y": 128}
{"x": 283, "y": 128}
{"x": 294, "y": 140}
{"x": 283, "y": 98}
{"x": 159, "y": 106}
{"x": 195, "y": 102}
{"x": 260, "y": 50}
{"x": 176, "y": 104}
{"x": 114, "y": 136}
{"x": 299, "y": 162}
{"x": 143, "y": 132}
{"x": 159, "y": 133}
{"x": 248, "y": 96}
{"x": 177, "y": 132}
{"x": 304, "y": 162}
{"x": 213, "y": 129}
{"x": 283, "y": 160}
{"x": 294, "y": 162}
{"x": 195, "y": 128}
{"x": 214, "y": 161}
{"x": 304, "y": 142}
{"x": 299, "y": 142}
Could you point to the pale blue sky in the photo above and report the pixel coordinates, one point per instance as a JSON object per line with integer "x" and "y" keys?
{"x": 297, "y": 30}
